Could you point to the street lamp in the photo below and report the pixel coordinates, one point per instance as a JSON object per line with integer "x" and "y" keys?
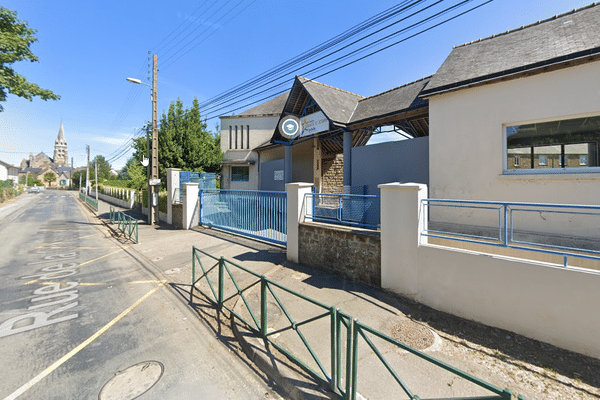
{"x": 153, "y": 180}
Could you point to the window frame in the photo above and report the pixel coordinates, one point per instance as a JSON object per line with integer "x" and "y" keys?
{"x": 545, "y": 170}
{"x": 247, "y": 175}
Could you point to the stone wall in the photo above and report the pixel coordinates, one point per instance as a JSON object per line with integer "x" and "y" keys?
{"x": 333, "y": 172}
{"x": 352, "y": 253}
{"x": 178, "y": 216}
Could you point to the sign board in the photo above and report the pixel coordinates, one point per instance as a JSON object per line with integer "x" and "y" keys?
{"x": 278, "y": 175}
{"x": 314, "y": 123}
{"x": 154, "y": 182}
{"x": 289, "y": 127}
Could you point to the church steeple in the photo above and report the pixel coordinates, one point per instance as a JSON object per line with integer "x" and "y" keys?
{"x": 61, "y": 156}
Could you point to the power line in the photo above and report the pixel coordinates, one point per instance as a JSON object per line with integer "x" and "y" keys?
{"x": 214, "y": 115}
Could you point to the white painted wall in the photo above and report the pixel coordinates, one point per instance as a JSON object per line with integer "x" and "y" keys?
{"x": 261, "y": 130}
{"x": 540, "y": 300}
{"x": 466, "y": 145}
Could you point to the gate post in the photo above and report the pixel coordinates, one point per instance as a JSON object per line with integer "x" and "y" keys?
{"x": 402, "y": 219}
{"x": 172, "y": 185}
{"x": 295, "y": 214}
{"x": 190, "y": 205}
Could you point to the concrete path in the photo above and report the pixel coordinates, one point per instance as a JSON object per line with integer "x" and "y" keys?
{"x": 170, "y": 251}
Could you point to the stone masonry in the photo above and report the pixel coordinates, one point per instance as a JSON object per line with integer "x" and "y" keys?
{"x": 352, "y": 253}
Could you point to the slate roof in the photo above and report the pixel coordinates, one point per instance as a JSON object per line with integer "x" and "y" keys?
{"x": 268, "y": 108}
{"x": 402, "y": 98}
{"x": 558, "y": 39}
{"x": 337, "y": 104}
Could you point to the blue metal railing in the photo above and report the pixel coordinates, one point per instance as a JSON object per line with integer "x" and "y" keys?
{"x": 205, "y": 181}
{"x": 258, "y": 214}
{"x": 566, "y": 230}
{"x": 344, "y": 209}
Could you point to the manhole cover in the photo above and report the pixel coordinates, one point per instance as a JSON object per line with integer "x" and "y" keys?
{"x": 413, "y": 335}
{"x": 132, "y": 382}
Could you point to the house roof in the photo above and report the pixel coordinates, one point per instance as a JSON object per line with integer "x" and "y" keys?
{"x": 270, "y": 107}
{"x": 337, "y": 104}
{"x": 402, "y": 98}
{"x": 552, "y": 41}
{"x": 7, "y": 165}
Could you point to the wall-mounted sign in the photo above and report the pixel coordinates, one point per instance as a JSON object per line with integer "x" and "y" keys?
{"x": 314, "y": 123}
{"x": 289, "y": 127}
{"x": 278, "y": 175}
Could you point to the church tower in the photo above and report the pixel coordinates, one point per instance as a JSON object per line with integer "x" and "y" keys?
{"x": 61, "y": 156}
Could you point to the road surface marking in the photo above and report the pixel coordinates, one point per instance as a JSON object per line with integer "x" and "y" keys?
{"x": 78, "y": 265}
{"x": 77, "y": 349}
{"x": 104, "y": 283}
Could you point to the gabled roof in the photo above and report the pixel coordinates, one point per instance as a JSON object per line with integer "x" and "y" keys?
{"x": 402, "y": 98}
{"x": 562, "y": 38}
{"x": 337, "y": 104}
{"x": 7, "y": 165}
{"x": 272, "y": 107}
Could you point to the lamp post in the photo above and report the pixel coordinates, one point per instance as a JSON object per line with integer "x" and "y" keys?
{"x": 153, "y": 178}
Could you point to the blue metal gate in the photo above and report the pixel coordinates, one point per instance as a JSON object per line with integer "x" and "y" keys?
{"x": 257, "y": 214}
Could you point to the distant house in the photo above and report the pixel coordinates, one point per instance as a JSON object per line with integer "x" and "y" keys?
{"x": 516, "y": 116}
{"x": 8, "y": 172}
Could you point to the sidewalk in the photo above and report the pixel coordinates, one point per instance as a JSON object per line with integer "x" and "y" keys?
{"x": 446, "y": 338}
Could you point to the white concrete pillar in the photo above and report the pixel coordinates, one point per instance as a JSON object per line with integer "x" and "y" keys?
{"x": 191, "y": 205}
{"x": 295, "y": 213}
{"x": 402, "y": 221}
{"x": 172, "y": 186}
{"x": 131, "y": 198}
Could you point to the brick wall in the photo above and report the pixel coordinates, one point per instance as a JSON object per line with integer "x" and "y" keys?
{"x": 352, "y": 253}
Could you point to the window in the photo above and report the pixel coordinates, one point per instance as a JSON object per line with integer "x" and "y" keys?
{"x": 240, "y": 174}
{"x": 230, "y": 137}
{"x": 554, "y": 146}
{"x": 236, "y": 137}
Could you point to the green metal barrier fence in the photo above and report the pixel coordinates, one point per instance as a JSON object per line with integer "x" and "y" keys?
{"x": 125, "y": 223}
{"x": 87, "y": 199}
{"x": 221, "y": 288}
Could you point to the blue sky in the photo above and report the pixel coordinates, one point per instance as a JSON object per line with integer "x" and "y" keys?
{"x": 86, "y": 50}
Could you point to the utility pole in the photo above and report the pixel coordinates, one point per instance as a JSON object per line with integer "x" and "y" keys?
{"x": 80, "y": 183}
{"x": 153, "y": 189}
{"x": 87, "y": 172}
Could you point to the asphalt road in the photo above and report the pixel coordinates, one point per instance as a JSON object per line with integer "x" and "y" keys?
{"x": 81, "y": 317}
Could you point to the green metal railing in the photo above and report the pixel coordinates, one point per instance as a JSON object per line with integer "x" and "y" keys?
{"x": 87, "y": 199}
{"x": 126, "y": 224}
{"x": 223, "y": 290}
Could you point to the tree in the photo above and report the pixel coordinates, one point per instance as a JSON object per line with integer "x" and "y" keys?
{"x": 49, "y": 177}
{"x": 15, "y": 39}
{"x": 133, "y": 171}
{"x": 29, "y": 180}
{"x": 104, "y": 167}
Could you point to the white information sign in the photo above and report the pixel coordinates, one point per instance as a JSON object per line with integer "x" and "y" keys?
{"x": 314, "y": 123}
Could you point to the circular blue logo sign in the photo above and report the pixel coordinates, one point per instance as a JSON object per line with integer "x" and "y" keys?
{"x": 289, "y": 127}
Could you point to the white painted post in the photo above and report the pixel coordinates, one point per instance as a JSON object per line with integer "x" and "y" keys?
{"x": 191, "y": 205}
{"x": 295, "y": 214}
{"x": 131, "y": 198}
{"x": 401, "y": 225}
{"x": 172, "y": 185}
